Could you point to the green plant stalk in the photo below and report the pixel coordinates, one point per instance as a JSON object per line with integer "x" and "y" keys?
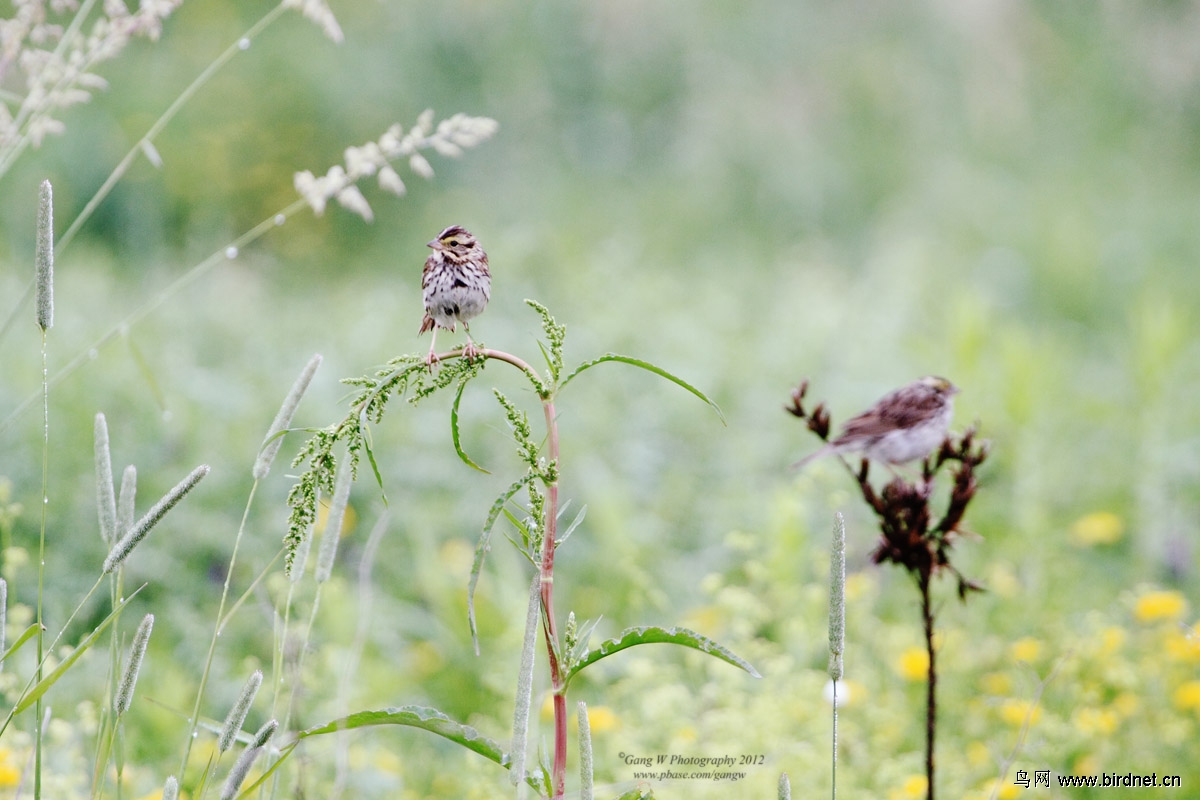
{"x": 549, "y": 543}
{"x": 212, "y": 645}
{"x": 44, "y": 277}
{"x": 41, "y": 627}
{"x": 104, "y": 743}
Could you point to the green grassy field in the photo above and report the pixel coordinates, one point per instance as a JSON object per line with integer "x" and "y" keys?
{"x": 744, "y": 194}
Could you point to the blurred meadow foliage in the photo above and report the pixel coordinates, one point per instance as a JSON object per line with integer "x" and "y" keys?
{"x": 745, "y": 193}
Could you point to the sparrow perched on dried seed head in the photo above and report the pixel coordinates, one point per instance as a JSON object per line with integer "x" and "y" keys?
{"x": 905, "y": 425}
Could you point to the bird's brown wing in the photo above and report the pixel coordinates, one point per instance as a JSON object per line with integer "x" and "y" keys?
{"x": 428, "y": 268}
{"x": 902, "y": 408}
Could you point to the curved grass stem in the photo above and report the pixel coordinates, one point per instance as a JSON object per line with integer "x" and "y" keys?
{"x": 212, "y": 645}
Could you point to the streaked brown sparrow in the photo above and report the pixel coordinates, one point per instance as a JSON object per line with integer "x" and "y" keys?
{"x": 455, "y": 285}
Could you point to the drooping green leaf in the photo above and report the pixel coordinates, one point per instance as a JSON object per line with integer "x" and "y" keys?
{"x": 20, "y": 640}
{"x": 523, "y": 546}
{"x": 45, "y": 683}
{"x": 365, "y": 439}
{"x": 646, "y": 365}
{"x": 481, "y": 549}
{"x": 574, "y": 524}
{"x": 657, "y": 635}
{"x": 428, "y": 719}
{"x": 454, "y": 430}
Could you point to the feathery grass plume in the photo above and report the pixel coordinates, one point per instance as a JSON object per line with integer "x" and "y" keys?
{"x": 237, "y": 714}
{"x": 3, "y": 615}
{"x": 520, "y": 739}
{"x": 837, "y": 624}
{"x": 106, "y": 501}
{"x": 785, "y": 787}
{"x": 449, "y": 138}
{"x": 264, "y": 734}
{"x": 129, "y": 677}
{"x": 837, "y": 598}
{"x": 58, "y": 57}
{"x": 241, "y": 767}
{"x": 239, "y": 771}
{"x": 333, "y": 520}
{"x": 274, "y": 438}
{"x": 170, "y": 789}
{"x": 126, "y": 500}
{"x": 45, "y": 257}
{"x": 585, "y": 754}
{"x": 319, "y": 12}
{"x": 121, "y": 550}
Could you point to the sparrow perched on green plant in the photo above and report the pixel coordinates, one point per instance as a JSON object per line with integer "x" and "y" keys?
{"x": 455, "y": 286}
{"x": 905, "y": 425}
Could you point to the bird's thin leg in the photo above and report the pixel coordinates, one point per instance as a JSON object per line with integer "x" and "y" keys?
{"x": 470, "y": 351}
{"x": 431, "y": 359}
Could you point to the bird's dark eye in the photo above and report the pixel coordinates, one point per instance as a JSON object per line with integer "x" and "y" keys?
{"x": 453, "y": 242}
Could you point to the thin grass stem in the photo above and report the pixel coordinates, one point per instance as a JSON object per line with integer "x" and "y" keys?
{"x": 212, "y": 644}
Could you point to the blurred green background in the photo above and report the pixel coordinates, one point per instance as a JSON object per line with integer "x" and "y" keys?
{"x": 743, "y": 193}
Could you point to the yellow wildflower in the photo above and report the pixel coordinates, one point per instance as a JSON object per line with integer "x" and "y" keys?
{"x": 1111, "y": 638}
{"x": 1026, "y": 649}
{"x": 996, "y": 683}
{"x": 1126, "y": 704}
{"x": 1095, "y": 721}
{"x": 1098, "y": 527}
{"x": 858, "y": 584}
{"x": 913, "y": 664}
{"x": 978, "y": 754}
{"x": 1183, "y": 646}
{"x": 1014, "y": 712}
{"x": 602, "y": 718}
{"x": 1159, "y": 605}
{"x": 10, "y": 775}
{"x": 914, "y": 786}
{"x": 1187, "y": 696}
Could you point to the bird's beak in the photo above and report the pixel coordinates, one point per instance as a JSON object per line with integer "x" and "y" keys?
{"x": 435, "y": 244}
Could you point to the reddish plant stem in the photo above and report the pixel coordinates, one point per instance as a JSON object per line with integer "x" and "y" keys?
{"x": 549, "y": 626}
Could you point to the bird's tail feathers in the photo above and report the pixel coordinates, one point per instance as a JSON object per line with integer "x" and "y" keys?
{"x": 824, "y": 451}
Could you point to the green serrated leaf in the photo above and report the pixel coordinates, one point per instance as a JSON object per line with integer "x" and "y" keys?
{"x": 485, "y": 540}
{"x": 454, "y": 430}
{"x": 656, "y": 635}
{"x": 646, "y": 365}
{"x": 427, "y": 719}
